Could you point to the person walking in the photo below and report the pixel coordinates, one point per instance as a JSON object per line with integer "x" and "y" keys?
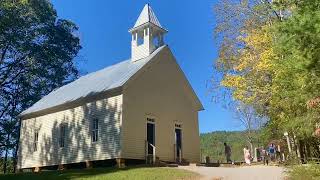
{"x": 264, "y": 156}
{"x": 272, "y": 151}
{"x": 227, "y": 152}
{"x": 247, "y": 155}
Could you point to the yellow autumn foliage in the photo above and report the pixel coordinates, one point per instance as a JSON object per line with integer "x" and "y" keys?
{"x": 249, "y": 81}
{"x": 258, "y": 53}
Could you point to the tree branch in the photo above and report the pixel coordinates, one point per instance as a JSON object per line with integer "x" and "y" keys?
{"x": 3, "y": 54}
{"x": 12, "y": 79}
{"x": 275, "y": 12}
{"x": 12, "y": 66}
{"x": 5, "y": 110}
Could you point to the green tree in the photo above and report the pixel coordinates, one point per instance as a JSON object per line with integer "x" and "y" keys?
{"x": 212, "y": 144}
{"x": 297, "y": 67}
{"x": 245, "y": 63}
{"x": 36, "y": 56}
{"x": 269, "y": 60}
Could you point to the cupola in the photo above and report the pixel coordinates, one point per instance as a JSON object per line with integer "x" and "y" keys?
{"x": 147, "y": 34}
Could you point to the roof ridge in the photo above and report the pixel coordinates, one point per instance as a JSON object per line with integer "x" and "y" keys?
{"x": 108, "y": 78}
{"x": 149, "y": 19}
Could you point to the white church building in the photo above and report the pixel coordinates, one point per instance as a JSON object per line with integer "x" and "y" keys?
{"x": 139, "y": 108}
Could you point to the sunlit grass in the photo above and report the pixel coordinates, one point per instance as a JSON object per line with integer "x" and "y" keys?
{"x": 138, "y": 173}
{"x": 305, "y": 172}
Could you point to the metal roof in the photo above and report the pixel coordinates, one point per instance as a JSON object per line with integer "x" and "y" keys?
{"x": 147, "y": 15}
{"x": 100, "y": 81}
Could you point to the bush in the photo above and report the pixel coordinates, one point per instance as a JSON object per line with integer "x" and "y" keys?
{"x": 292, "y": 160}
{"x": 305, "y": 172}
{"x": 9, "y": 165}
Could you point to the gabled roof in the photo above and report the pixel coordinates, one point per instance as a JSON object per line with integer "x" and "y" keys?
{"x": 147, "y": 16}
{"x": 91, "y": 84}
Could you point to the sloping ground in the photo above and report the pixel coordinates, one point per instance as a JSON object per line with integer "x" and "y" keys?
{"x": 239, "y": 173}
{"x": 135, "y": 173}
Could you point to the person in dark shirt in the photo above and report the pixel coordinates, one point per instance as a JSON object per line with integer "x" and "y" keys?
{"x": 227, "y": 152}
{"x": 272, "y": 151}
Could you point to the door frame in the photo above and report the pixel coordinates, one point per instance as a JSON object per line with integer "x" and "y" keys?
{"x": 146, "y": 130}
{"x": 177, "y": 125}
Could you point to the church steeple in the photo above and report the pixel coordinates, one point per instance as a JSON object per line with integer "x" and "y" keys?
{"x": 147, "y": 34}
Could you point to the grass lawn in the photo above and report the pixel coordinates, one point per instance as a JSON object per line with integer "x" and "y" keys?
{"x": 138, "y": 173}
{"x": 305, "y": 172}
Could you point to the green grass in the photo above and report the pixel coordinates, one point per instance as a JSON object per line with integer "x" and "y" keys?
{"x": 138, "y": 173}
{"x": 305, "y": 172}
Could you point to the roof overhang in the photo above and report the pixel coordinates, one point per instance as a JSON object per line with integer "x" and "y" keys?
{"x": 73, "y": 104}
{"x": 148, "y": 24}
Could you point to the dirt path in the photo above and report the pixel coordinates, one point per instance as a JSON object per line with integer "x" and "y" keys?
{"x": 239, "y": 173}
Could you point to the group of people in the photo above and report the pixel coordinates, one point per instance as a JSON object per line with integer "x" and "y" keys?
{"x": 266, "y": 154}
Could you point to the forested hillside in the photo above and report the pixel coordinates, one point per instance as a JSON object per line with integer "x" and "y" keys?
{"x": 212, "y": 144}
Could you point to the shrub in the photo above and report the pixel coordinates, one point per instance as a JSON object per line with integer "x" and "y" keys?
{"x": 305, "y": 172}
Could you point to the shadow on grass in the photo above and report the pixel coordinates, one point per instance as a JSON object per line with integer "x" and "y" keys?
{"x": 67, "y": 174}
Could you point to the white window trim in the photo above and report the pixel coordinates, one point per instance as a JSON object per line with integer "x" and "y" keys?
{"x": 64, "y": 135}
{"x": 94, "y": 130}
{"x": 179, "y": 123}
{"x": 151, "y": 122}
{"x": 35, "y": 140}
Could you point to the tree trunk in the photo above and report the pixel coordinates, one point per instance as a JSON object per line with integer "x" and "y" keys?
{"x": 297, "y": 148}
{"x": 15, "y": 156}
{"x": 252, "y": 153}
{"x": 6, "y": 156}
{"x": 250, "y": 142}
{"x": 5, "y": 162}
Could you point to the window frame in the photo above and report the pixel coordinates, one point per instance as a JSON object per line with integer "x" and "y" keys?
{"x": 62, "y": 135}
{"x": 35, "y": 141}
{"x": 151, "y": 120}
{"x": 95, "y": 130}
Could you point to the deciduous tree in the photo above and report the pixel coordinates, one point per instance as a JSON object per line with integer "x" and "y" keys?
{"x": 36, "y": 56}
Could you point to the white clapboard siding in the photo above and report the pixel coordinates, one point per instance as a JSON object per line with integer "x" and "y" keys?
{"x": 161, "y": 92}
{"x": 141, "y": 51}
{"x": 78, "y": 144}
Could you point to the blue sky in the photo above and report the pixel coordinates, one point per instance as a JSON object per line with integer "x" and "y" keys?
{"x": 103, "y": 29}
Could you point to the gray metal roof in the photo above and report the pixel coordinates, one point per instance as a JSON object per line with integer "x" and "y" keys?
{"x": 100, "y": 81}
{"x": 147, "y": 15}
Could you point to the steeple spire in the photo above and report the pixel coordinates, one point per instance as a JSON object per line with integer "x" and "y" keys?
{"x": 147, "y": 16}
{"x": 147, "y": 34}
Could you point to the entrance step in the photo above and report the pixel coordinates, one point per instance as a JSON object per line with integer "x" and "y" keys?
{"x": 172, "y": 165}
{"x": 208, "y": 164}
{"x": 150, "y": 159}
{"x": 161, "y": 164}
{"x": 183, "y": 162}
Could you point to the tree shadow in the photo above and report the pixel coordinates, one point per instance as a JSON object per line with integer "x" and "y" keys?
{"x": 78, "y": 145}
{"x": 27, "y": 132}
{"x": 68, "y": 174}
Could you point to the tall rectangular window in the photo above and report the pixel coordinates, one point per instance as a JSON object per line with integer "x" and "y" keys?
{"x": 62, "y": 135}
{"x": 35, "y": 141}
{"x": 94, "y": 132}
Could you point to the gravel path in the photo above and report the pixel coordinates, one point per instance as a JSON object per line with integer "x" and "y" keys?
{"x": 238, "y": 173}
